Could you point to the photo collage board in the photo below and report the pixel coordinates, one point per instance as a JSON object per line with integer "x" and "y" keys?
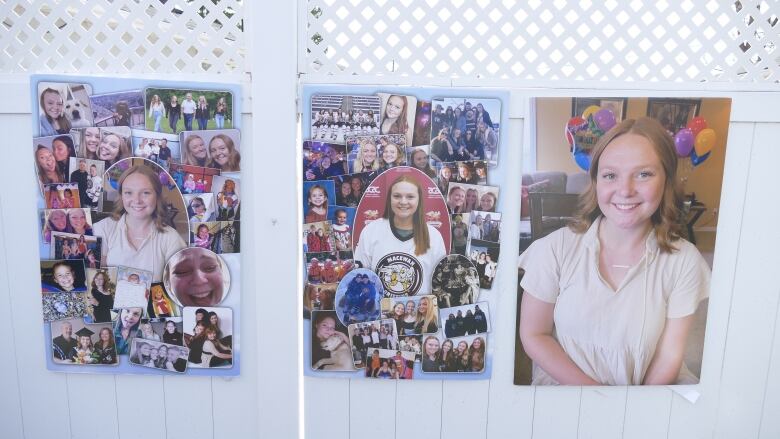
{"x": 140, "y": 212}
{"x": 401, "y": 229}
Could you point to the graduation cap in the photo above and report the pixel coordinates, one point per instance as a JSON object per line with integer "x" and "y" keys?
{"x": 84, "y": 332}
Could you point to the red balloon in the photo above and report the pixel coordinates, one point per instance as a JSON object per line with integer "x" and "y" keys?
{"x": 574, "y": 124}
{"x": 697, "y": 124}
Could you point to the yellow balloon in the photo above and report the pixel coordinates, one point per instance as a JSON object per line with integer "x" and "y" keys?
{"x": 590, "y": 110}
{"x": 705, "y": 141}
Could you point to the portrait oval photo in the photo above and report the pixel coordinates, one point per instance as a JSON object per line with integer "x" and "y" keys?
{"x": 197, "y": 277}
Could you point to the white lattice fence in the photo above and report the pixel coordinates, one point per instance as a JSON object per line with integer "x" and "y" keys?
{"x": 89, "y": 36}
{"x": 583, "y": 40}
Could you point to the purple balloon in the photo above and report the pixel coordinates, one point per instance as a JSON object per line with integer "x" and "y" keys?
{"x": 683, "y": 142}
{"x": 604, "y": 119}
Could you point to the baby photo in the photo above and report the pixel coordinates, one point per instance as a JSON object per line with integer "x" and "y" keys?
{"x": 74, "y": 246}
{"x": 422, "y": 124}
{"x": 208, "y": 333}
{"x": 413, "y": 344}
{"x": 357, "y": 296}
{"x": 343, "y": 218}
{"x": 218, "y": 236}
{"x": 200, "y": 207}
{"x": 63, "y": 106}
{"x": 87, "y": 175}
{"x": 61, "y": 195}
{"x": 58, "y": 306}
{"x": 217, "y": 149}
{"x": 397, "y": 115}
{"x": 328, "y": 267}
{"x": 465, "y": 320}
{"x": 176, "y": 110}
{"x": 66, "y": 276}
{"x": 335, "y": 116}
{"x": 194, "y": 277}
{"x": 77, "y": 221}
{"x": 455, "y": 281}
{"x": 124, "y": 108}
{"x": 472, "y": 121}
{"x": 160, "y": 304}
{"x": 459, "y": 222}
{"x": 485, "y": 226}
{"x": 323, "y": 160}
{"x": 330, "y": 349}
{"x": 376, "y": 152}
{"x": 193, "y": 179}
{"x": 160, "y": 148}
{"x": 390, "y": 364}
{"x": 464, "y": 355}
{"x": 52, "y": 158}
{"x": 367, "y": 336}
{"x": 467, "y": 197}
{"x": 413, "y": 315}
{"x": 157, "y": 355}
{"x": 318, "y": 297}
{"x": 132, "y": 287}
{"x": 419, "y": 158}
{"x": 227, "y": 197}
{"x": 317, "y": 199}
{"x": 75, "y": 342}
{"x": 350, "y": 187}
{"x": 484, "y": 255}
{"x": 99, "y": 299}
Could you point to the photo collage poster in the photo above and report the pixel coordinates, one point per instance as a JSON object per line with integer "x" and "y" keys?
{"x": 139, "y": 203}
{"x": 401, "y": 226}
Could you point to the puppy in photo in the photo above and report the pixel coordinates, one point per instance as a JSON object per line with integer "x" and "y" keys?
{"x": 330, "y": 349}
{"x": 63, "y": 106}
{"x": 210, "y": 339}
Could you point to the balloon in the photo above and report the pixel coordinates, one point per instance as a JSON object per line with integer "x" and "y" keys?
{"x": 697, "y": 124}
{"x": 683, "y": 142}
{"x": 604, "y": 119}
{"x": 574, "y": 124}
{"x": 583, "y": 160}
{"x": 590, "y": 110}
{"x": 705, "y": 141}
{"x": 697, "y": 160}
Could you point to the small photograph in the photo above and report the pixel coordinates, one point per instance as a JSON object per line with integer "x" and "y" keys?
{"x": 132, "y": 287}
{"x": 66, "y": 276}
{"x": 455, "y": 281}
{"x": 397, "y": 115}
{"x": 422, "y": 124}
{"x": 218, "y": 149}
{"x": 413, "y": 344}
{"x": 157, "y": 355}
{"x": 328, "y": 267}
{"x": 196, "y": 277}
{"x": 462, "y": 198}
{"x": 170, "y": 328}
{"x": 115, "y": 144}
{"x": 319, "y": 297}
{"x": 322, "y": 160}
{"x": 485, "y": 226}
{"x": 63, "y": 106}
{"x": 160, "y": 148}
{"x": 376, "y": 153}
{"x": 77, "y": 221}
{"x": 390, "y": 364}
{"x": 466, "y": 354}
{"x": 61, "y": 195}
{"x": 160, "y": 304}
{"x": 350, "y": 187}
{"x": 200, "y": 207}
{"x": 336, "y": 116}
{"x": 52, "y": 158}
{"x": 470, "y": 121}
{"x": 87, "y": 175}
{"x": 99, "y": 299}
{"x": 468, "y": 172}
{"x": 75, "y": 342}
{"x": 357, "y": 296}
{"x": 413, "y": 315}
{"x": 484, "y": 255}
{"x": 125, "y": 328}
{"x": 218, "y": 236}
{"x": 59, "y": 306}
{"x": 330, "y": 349}
{"x": 193, "y": 179}
{"x": 124, "y": 108}
{"x": 419, "y": 158}
{"x": 459, "y": 321}
{"x": 210, "y": 340}
{"x": 343, "y": 217}
{"x": 73, "y": 246}
{"x": 227, "y": 197}
{"x": 460, "y": 232}
{"x": 366, "y": 336}
{"x": 176, "y": 110}
{"x": 317, "y": 197}
{"x": 317, "y": 237}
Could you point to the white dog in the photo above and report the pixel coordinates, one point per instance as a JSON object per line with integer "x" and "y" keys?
{"x": 340, "y": 355}
{"x": 77, "y": 112}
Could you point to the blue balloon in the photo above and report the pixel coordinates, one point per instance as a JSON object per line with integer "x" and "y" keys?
{"x": 583, "y": 160}
{"x": 697, "y": 160}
